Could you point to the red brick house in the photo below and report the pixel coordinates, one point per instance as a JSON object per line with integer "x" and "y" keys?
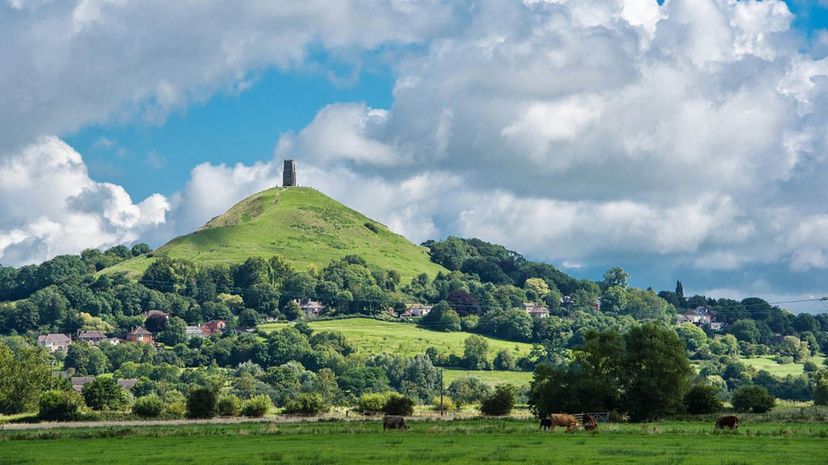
{"x": 140, "y": 335}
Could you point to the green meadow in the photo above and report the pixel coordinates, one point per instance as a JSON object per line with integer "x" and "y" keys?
{"x": 507, "y": 441}
{"x": 768, "y": 364}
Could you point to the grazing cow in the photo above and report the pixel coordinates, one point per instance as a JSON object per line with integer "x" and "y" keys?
{"x": 393, "y": 422}
{"x": 545, "y": 424}
{"x": 563, "y": 419}
{"x": 729, "y": 421}
{"x": 590, "y": 423}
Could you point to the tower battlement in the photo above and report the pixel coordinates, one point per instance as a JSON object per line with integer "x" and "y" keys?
{"x": 289, "y": 174}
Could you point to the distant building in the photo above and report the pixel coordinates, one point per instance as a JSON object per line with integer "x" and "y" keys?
{"x": 289, "y": 174}
{"x": 213, "y": 328}
{"x": 140, "y": 335}
{"x": 91, "y": 337}
{"x": 699, "y": 316}
{"x": 312, "y": 308}
{"x": 536, "y": 311}
{"x": 416, "y": 310}
{"x": 78, "y": 382}
{"x": 127, "y": 383}
{"x": 54, "y": 342}
{"x": 194, "y": 331}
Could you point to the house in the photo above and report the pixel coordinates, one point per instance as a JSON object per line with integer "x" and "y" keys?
{"x": 213, "y": 328}
{"x": 139, "y": 334}
{"x": 127, "y": 383}
{"x": 717, "y": 326}
{"x": 699, "y": 316}
{"x": 78, "y": 382}
{"x": 194, "y": 331}
{"x": 54, "y": 342}
{"x": 91, "y": 337}
{"x": 312, "y": 308}
{"x": 535, "y": 310}
{"x": 416, "y": 310}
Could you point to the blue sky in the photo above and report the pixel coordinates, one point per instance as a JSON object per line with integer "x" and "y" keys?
{"x": 683, "y": 141}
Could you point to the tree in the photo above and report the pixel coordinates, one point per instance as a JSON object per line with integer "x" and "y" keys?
{"x": 442, "y": 318}
{"x": 501, "y": 402}
{"x": 86, "y": 360}
{"x": 537, "y": 288}
{"x": 468, "y": 390}
{"x": 702, "y": 399}
{"x": 307, "y": 404}
{"x": 616, "y": 277}
{"x": 398, "y": 405}
{"x": 694, "y": 338}
{"x": 150, "y": 406}
{"x": 248, "y": 318}
{"x": 752, "y": 398}
{"x": 745, "y": 330}
{"x": 680, "y": 291}
{"x": 256, "y": 406}
{"x": 656, "y": 371}
{"x": 57, "y": 405}
{"x": 513, "y": 324}
{"x": 476, "y": 353}
{"x": 174, "y": 333}
{"x": 792, "y": 347}
{"x": 504, "y": 360}
{"x": 292, "y": 310}
{"x": 821, "y": 389}
{"x": 140, "y": 249}
{"x": 614, "y": 299}
{"x": 24, "y": 374}
{"x": 202, "y": 402}
{"x": 103, "y": 393}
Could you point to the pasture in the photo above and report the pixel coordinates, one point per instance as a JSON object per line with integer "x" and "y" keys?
{"x": 450, "y": 442}
{"x": 371, "y": 336}
{"x": 768, "y": 364}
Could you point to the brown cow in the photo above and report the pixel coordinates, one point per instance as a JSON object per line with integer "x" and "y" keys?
{"x": 590, "y": 423}
{"x": 563, "y": 419}
{"x": 729, "y": 421}
{"x": 393, "y": 422}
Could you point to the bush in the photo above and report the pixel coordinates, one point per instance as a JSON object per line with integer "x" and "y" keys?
{"x": 504, "y": 360}
{"x": 702, "y": 399}
{"x": 398, "y": 405}
{"x": 501, "y": 402}
{"x": 306, "y": 404}
{"x": 784, "y": 359}
{"x": 256, "y": 406}
{"x": 468, "y": 390}
{"x": 60, "y": 405}
{"x": 202, "y": 403}
{"x": 448, "y": 404}
{"x": 229, "y": 405}
{"x": 177, "y": 409}
{"x": 104, "y": 394}
{"x": 150, "y": 406}
{"x": 373, "y": 402}
{"x": 752, "y": 398}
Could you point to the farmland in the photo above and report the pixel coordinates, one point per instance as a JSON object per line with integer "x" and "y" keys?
{"x": 451, "y": 442}
{"x": 768, "y": 364}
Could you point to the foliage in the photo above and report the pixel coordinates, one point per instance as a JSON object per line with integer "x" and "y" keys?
{"x": 256, "y": 406}
{"x": 57, "y": 405}
{"x": 202, "y": 402}
{"x": 103, "y": 393}
{"x": 24, "y": 374}
{"x": 307, "y": 403}
{"x": 476, "y": 353}
{"x": 398, "y": 405}
{"x": 447, "y": 404}
{"x": 373, "y": 402}
{"x": 501, "y": 402}
{"x": 752, "y": 398}
{"x": 701, "y": 399}
{"x": 229, "y": 405}
{"x": 468, "y": 390}
{"x": 150, "y": 406}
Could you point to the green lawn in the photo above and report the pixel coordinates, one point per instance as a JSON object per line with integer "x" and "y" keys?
{"x": 426, "y": 442}
{"x": 768, "y": 364}
{"x": 516, "y": 378}
{"x": 373, "y": 336}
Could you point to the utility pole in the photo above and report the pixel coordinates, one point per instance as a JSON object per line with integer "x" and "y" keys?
{"x": 441, "y": 392}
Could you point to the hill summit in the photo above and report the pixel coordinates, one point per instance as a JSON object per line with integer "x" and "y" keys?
{"x": 302, "y": 225}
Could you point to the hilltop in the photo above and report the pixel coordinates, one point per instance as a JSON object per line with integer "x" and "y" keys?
{"x": 302, "y": 225}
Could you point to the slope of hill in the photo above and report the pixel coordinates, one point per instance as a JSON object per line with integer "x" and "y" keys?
{"x": 301, "y": 224}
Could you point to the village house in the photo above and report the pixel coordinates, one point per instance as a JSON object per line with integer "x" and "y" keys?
{"x": 127, "y": 383}
{"x": 312, "y": 308}
{"x": 139, "y": 334}
{"x": 193, "y": 331}
{"x": 535, "y": 310}
{"x": 416, "y": 310}
{"x": 54, "y": 342}
{"x": 78, "y": 382}
{"x": 91, "y": 337}
{"x": 213, "y": 328}
{"x": 699, "y": 316}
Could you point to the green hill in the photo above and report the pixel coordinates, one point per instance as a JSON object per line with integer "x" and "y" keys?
{"x": 302, "y": 225}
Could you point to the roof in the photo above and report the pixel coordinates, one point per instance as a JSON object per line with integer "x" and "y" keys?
{"x": 92, "y": 334}
{"x": 54, "y": 338}
{"x": 127, "y": 383}
{"x": 140, "y": 331}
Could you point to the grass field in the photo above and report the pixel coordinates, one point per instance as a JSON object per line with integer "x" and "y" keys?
{"x": 426, "y": 442}
{"x": 781, "y": 370}
{"x": 301, "y": 224}
{"x": 374, "y": 336}
{"x": 516, "y": 378}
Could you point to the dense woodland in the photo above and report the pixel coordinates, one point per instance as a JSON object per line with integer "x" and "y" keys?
{"x": 585, "y": 355}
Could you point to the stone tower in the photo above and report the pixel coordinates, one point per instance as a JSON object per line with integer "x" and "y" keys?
{"x": 289, "y": 174}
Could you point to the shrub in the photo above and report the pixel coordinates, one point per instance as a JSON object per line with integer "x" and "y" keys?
{"x": 702, "y": 399}
{"x": 306, "y": 404}
{"x": 501, "y": 402}
{"x": 504, "y": 360}
{"x": 104, "y": 394}
{"x": 468, "y": 390}
{"x": 60, "y": 405}
{"x": 373, "y": 402}
{"x": 752, "y": 398}
{"x": 398, "y": 405}
{"x": 202, "y": 403}
{"x": 448, "y": 404}
{"x": 256, "y": 406}
{"x": 177, "y": 409}
{"x": 821, "y": 392}
{"x": 150, "y": 406}
{"x": 229, "y": 405}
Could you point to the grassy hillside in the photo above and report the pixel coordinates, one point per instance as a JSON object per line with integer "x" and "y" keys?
{"x": 374, "y": 336}
{"x": 301, "y": 224}
{"x": 781, "y": 370}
